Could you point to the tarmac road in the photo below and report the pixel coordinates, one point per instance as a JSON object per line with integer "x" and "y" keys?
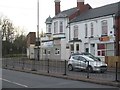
{"x": 15, "y": 79}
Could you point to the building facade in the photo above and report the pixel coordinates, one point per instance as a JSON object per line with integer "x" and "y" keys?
{"x": 31, "y": 40}
{"x": 82, "y": 29}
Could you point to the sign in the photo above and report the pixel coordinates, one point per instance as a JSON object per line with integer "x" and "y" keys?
{"x": 48, "y": 44}
{"x": 105, "y": 38}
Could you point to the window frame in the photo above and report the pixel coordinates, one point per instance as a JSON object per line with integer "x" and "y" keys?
{"x": 75, "y": 29}
{"x": 86, "y": 30}
{"x": 104, "y": 27}
{"x": 61, "y": 27}
{"x": 92, "y": 29}
{"x": 55, "y": 27}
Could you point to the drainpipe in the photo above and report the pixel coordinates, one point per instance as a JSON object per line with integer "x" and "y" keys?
{"x": 117, "y": 28}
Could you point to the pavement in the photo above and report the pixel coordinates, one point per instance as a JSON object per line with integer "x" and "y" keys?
{"x": 91, "y": 80}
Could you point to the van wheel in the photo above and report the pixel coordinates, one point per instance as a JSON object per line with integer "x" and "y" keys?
{"x": 70, "y": 67}
{"x": 89, "y": 69}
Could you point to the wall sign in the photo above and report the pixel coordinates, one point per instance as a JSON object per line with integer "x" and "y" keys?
{"x": 105, "y": 38}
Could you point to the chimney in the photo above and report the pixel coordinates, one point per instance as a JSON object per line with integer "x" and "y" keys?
{"x": 57, "y": 7}
{"x": 80, "y": 5}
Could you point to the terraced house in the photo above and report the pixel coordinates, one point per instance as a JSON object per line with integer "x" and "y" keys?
{"x": 82, "y": 29}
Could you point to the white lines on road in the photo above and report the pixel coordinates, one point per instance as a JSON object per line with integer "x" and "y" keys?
{"x": 14, "y": 82}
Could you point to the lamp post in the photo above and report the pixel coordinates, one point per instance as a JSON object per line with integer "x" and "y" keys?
{"x": 38, "y": 38}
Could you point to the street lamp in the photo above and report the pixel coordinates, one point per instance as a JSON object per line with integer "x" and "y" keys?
{"x": 38, "y": 40}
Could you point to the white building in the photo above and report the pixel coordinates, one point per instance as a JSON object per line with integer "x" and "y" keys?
{"x": 81, "y": 29}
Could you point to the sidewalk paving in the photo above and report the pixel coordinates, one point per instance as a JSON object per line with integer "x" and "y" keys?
{"x": 102, "y": 82}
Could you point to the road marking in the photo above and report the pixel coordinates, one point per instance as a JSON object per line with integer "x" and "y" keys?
{"x": 14, "y": 82}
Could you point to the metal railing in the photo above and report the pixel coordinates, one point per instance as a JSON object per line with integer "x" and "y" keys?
{"x": 59, "y": 67}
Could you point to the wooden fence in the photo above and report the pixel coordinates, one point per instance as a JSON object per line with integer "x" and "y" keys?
{"x": 111, "y": 61}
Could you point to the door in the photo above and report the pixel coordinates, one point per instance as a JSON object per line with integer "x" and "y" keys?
{"x": 83, "y": 62}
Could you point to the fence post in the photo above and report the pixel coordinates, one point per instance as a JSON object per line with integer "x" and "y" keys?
{"x": 65, "y": 68}
{"x": 13, "y": 63}
{"x": 88, "y": 69}
{"x": 116, "y": 72}
{"x": 48, "y": 66}
{"x": 33, "y": 65}
{"x": 23, "y": 64}
{"x": 6, "y": 63}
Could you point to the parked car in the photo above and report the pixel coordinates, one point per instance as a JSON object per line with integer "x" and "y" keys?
{"x": 81, "y": 62}
{"x": 87, "y": 54}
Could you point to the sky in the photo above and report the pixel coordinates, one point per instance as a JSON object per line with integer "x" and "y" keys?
{"x": 23, "y": 13}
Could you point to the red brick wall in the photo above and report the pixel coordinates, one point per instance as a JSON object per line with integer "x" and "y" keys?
{"x": 31, "y": 38}
{"x": 57, "y": 8}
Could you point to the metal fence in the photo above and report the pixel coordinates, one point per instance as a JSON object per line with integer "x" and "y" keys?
{"x": 59, "y": 67}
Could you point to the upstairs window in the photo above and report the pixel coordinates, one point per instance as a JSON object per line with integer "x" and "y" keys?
{"x": 75, "y": 31}
{"x": 61, "y": 27}
{"x": 86, "y": 30}
{"x": 92, "y": 29}
{"x": 49, "y": 28}
{"x": 104, "y": 27}
{"x": 55, "y": 27}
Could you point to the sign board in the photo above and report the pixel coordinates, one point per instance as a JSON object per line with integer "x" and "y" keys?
{"x": 48, "y": 44}
{"x": 105, "y": 38}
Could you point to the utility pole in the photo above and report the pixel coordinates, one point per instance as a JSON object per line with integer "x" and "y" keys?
{"x": 38, "y": 38}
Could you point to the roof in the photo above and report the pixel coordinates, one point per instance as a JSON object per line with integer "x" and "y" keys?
{"x": 97, "y": 12}
{"x": 66, "y": 13}
{"x": 48, "y": 20}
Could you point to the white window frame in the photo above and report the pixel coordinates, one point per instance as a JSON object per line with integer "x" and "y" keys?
{"x": 61, "y": 26}
{"x": 49, "y": 28}
{"x": 55, "y": 27}
{"x": 75, "y": 28}
{"x": 92, "y": 29}
{"x": 104, "y": 27}
{"x": 57, "y": 51}
{"x": 86, "y": 30}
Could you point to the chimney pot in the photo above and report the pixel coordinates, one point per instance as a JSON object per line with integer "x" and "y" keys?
{"x": 57, "y": 7}
{"x": 80, "y": 5}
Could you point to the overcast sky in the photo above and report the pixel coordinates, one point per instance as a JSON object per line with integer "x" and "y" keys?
{"x": 23, "y": 13}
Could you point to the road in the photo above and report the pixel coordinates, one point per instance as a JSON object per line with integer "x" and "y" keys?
{"x": 15, "y": 79}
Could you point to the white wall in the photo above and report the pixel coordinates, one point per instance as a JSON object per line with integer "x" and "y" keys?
{"x": 97, "y": 27}
{"x": 97, "y": 30}
{"x": 30, "y": 51}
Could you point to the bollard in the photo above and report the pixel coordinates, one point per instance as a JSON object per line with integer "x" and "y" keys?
{"x": 88, "y": 69}
{"x": 65, "y": 68}
{"x": 48, "y": 67}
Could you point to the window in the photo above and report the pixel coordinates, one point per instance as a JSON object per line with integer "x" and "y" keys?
{"x": 48, "y": 52}
{"x": 105, "y": 49}
{"x": 104, "y": 27}
{"x": 86, "y": 30}
{"x": 55, "y": 27}
{"x": 92, "y": 30}
{"x": 75, "y": 31}
{"x": 49, "y": 28}
{"x": 44, "y": 51}
{"x": 57, "y": 51}
{"x": 72, "y": 47}
{"x": 61, "y": 27}
{"x": 82, "y": 59}
{"x": 76, "y": 57}
{"x": 77, "y": 47}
